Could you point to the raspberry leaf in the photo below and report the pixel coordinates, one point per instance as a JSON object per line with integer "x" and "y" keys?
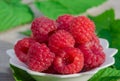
{"x": 27, "y": 32}
{"x": 105, "y": 34}
{"x": 115, "y": 33}
{"x": 104, "y": 20}
{"x": 107, "y": 74}
{"x": 54, "y": 8}
{"x": 13, "y": 13}
{"x": 20, "y": 75}
{"x": 12, "y": 1}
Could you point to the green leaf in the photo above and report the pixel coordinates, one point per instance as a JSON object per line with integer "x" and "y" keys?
{"x": 115, "y": 33}
{"x": 27, "y": 32}
{"x": 109, "y": 28}
{"x": 12, "y": 1}
{"x": 54, "y": 8}
{"x": 20, "y": 75}
{"x": 13, "y": 13}
{"x": 104, "y": 33}
{"x": 103, "y": 20}
{"x": 107, "y": 74}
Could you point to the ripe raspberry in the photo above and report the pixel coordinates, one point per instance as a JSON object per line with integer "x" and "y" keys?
{"x": 64, "y": 21}
{"x": 60, "y": 39}
{"x": 42, "y": 27}
{"x": 51, "y": 70}
{"x": 95, "y": 39}
{"x": 93, "y": 55}
{"x": 69, "y": 60}
{"x": 21, "y": 48}
{"x": 82, "y": 29}
{"x": 39, "y": 57}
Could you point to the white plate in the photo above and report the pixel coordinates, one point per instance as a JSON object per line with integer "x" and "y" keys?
{"x": 84, "y": 76}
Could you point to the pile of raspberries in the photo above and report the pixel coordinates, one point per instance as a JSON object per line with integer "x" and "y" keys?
{"x": 66, "y": 45}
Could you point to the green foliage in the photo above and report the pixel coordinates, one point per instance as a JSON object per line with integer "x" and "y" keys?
{"x": 115, "y": 28}
{"x": 103, "y": 20}
{"x": 107, "y": 74}
{"x": 20, "y": 75}
{"x": 54, "y": 8}
{"x": 27, "y": 32}
{"x": 13, "y": 13}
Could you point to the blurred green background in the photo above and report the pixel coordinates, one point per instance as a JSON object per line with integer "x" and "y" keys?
{"x": 16, "y": 17}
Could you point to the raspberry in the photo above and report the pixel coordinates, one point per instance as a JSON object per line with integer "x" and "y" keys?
{"x": 69, "y": 61}
{"x": 64, "y": 21}
{"x": 42, "y": 27}
{"x": 39, "y": 57}
{"x": 95, "y": 39}
{"x": 21, "y": 48}
{"x": 51, "y": 70}
{"x": 93, "y": 55}
{"x": 60, "y": 39}
{"x": 82, "y": 29}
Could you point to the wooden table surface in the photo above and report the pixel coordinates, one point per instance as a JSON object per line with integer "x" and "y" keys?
{"x": 5, "y": 72}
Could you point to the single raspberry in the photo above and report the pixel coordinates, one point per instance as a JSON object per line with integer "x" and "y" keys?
{"x": 39, "y": 57}
{"x": 51, "y": 70}
{"x": 93, "y": 55}
{"x": 21, "y": 48}
{"x": 60, "y": 39}
{"x": 69, "y": 61}
{"x": 82, "y": 29}
{"x": 43, "y": 27}
{"x": 64, "y": 21}
{"x": 95, "y": 39}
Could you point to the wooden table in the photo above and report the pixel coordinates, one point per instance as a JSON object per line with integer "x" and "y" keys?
{"x": 5, "y": 72}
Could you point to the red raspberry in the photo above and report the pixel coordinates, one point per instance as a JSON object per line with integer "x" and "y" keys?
{"x": 95, "y": 39}
{"x": 64, "y": 21}
{"x": 42, "y": 27}
{"x": 60, "y": 39}
{"x": 68, "y": 61}
{"x": 21, "y": 48}
{"x": 51, "y": 70}
{"x": 82, "y": 29}
{"x": 39, "y": 57}
{"x": 93, "y": 55}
